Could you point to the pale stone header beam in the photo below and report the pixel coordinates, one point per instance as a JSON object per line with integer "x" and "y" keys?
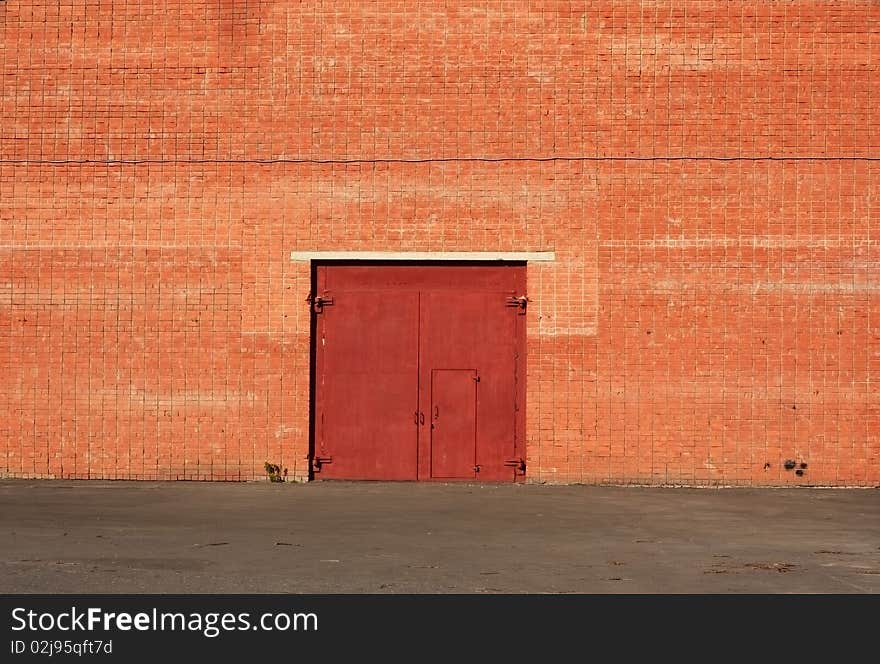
{"x": 423, "y": 256}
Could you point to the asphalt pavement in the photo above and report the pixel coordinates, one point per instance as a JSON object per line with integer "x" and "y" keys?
{"x": 348, "y": 537}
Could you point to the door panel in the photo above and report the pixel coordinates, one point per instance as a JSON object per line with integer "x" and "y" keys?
{"x": 398, "y": 278}
{"x": 475, "y": 330}
{"x": 453, "y": 423}
{"x": 368, "y": 377}
{"x": 394, "y": 343}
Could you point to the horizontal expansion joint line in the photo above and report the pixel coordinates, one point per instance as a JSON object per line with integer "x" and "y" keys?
{"x": 431, "y": 160}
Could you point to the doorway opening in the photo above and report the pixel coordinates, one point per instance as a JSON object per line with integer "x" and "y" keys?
{"x": 418, "y": 371}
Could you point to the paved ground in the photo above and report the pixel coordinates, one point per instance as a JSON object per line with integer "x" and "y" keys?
{"x": 117, "y": 537}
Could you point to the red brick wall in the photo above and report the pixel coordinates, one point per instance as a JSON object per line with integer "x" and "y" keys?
{"x": 706, "y": 172}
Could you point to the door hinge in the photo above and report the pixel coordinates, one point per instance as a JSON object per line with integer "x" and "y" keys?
{"x": 318, "y": 302}
{"x": 518, "y": 464}
{"x": 319, "y": 461}
{"x": 518, "y": 301}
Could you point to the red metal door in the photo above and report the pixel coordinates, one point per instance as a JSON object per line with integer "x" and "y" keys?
{"x": 476, "y": 329}
{"x": 400, "y": 348}
{"x": 453, "y": 423}
{"x": 367, "y": 379}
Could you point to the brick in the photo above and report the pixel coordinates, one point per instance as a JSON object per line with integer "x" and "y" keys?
{"x": 706, "y": 173}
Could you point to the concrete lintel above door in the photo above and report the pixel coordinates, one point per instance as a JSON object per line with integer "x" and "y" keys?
{"x": 529, "y": 256}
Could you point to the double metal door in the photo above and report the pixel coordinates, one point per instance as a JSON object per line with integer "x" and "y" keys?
{"x": 419, "y": 372}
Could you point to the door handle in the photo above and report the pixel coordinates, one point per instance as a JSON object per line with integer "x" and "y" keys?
{"x": 422, "y": 419}
{"x": 436, "y": 412}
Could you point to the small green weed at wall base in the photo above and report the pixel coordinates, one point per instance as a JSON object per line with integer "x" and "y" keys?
{"x": 275, "y": 472}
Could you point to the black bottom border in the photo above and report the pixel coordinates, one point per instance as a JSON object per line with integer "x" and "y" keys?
{"x": 149, "y": 627}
